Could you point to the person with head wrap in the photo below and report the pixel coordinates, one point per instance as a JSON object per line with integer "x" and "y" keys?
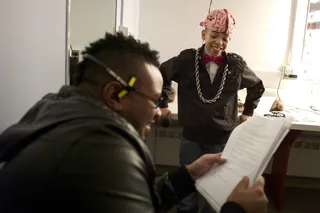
{"x": 209, "y": 79}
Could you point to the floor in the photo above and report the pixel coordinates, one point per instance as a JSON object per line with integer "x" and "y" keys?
{"x": 296, "y": 200}
{"x": 300, "y": 200}
{"x": 301, "y": 195}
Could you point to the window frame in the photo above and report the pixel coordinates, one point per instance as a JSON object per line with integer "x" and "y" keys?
{"x": 296, "y": 54}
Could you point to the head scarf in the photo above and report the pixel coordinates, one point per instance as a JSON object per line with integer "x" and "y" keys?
{"x": 220, "y": 21}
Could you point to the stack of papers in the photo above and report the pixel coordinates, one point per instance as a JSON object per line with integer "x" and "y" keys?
{"x": 248, "y": 151}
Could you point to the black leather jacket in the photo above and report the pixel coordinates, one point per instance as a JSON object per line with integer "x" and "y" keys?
{"x": 70, "y": 153}
{"x": 210, "y": 121}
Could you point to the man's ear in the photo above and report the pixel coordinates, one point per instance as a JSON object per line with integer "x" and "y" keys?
{"x": 110, "y": 96}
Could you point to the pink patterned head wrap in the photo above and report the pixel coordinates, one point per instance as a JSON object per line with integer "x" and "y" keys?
{"x": 220, "y": 21}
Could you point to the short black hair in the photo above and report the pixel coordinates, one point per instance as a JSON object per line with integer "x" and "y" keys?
{"x": 118, "y": 52}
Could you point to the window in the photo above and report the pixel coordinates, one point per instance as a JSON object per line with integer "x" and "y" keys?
{"x": 311, "y": 48}
{"x": 305, "y": 55}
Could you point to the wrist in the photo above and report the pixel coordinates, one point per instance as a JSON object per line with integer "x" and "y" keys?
{"x": 247, "y": 111}
{"x": 191, "y": 173}
{"x": 181, "y": 182}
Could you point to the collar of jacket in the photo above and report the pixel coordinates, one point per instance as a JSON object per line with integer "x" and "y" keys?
{"x": 120, "y": 122}
{"x": 202, "y": 52}
{"x": 75, "y": 92}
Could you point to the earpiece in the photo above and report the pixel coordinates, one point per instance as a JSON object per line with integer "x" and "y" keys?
{"x": 115, "y": 97}
{"x": 127, "y": 89}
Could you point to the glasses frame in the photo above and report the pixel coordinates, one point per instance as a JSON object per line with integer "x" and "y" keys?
{"x": 120, "y": 80}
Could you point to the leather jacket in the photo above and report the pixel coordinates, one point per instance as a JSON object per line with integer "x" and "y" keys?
{"x": 210, "y": 120}
{"x": 70, "y": 153}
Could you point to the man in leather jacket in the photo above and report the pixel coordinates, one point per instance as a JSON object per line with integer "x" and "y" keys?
{"x": 208, "y": 80}
{"x": 81, "y": 149}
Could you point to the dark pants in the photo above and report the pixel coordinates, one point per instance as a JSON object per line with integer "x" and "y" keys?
{"x": 189, "y": 152}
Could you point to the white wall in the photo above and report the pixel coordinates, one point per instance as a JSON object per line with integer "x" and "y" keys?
{"x": 131, "y": 15}
{"x": 90, "y": 20}
{"x": 263, "y": 28}
{"x": 32, "y": 54}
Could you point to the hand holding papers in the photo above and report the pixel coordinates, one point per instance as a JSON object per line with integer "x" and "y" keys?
{"x": 248, "y": 151}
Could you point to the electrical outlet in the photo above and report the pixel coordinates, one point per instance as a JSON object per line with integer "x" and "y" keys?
{"x": 289, "y": 72}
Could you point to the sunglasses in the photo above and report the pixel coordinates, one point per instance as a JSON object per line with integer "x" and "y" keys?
{"x": 128, "y": 87}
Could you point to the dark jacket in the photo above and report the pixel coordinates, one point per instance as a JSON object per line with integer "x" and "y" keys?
{"x": 70, "y": 153}
{"x": 209, "y": 122}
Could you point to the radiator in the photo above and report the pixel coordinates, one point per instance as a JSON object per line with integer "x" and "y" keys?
{"x": 304, "y": 158}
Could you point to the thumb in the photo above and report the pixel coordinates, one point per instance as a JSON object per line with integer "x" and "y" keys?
{"x": 260, "y": 182}
{"x": 243, "y": 184}
{"x": 214, "y": 158}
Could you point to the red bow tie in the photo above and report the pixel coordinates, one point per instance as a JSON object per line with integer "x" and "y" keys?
{"x": 207, "y": 58}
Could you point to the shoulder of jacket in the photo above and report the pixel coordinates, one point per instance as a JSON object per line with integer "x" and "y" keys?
{"x": 235, "y": 56}
{"x": 188, "y": 51}
{"x": 128, "y": 135}
{"x": 186, "y": 55}
{"x": 236, "y": 60}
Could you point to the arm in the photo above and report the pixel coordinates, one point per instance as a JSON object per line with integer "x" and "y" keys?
{"x": 255, "y": 90}
{"x": 175, "y": 186}
{"x": 170, "y": 72}
{"x": 180, "y": 183}
{"x": 103, "y": 173}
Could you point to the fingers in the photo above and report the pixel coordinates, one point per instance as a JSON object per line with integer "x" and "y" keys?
{"x": 258, "y": 189}
{"x": 218, "y": 154}
{"x": 220, "y": 160}
{"x": 211, "y": 159}
{"x": 216, "y": 158}
{"x": 260, "y": 183}
{"x": 243, "y": 184}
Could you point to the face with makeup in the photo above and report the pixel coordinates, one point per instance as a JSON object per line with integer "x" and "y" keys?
{"x": 215, "y": 42}
{"x": 219, "y": 25}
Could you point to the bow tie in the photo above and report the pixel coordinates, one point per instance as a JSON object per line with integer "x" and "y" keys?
{"x": 207, "y": 58}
